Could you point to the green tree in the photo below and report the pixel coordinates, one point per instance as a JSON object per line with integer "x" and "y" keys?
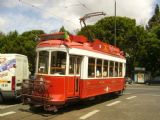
{"x": 130, "y": 38}
{"x": 62, "y": 29}
{"x": 2, "y": 42}
{"x": 29, "y": 42}
{"x": 155, "y": 19}
{"x": 21, "y": 44}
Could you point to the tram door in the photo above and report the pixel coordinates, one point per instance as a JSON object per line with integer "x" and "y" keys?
{"x": 74, "y": 72}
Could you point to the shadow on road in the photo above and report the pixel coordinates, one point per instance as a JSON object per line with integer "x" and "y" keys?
{"x": 10, "y": 102}
{"x": 71, "y": 106}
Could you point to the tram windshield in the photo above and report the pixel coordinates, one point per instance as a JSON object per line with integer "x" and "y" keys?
{"x": 57, "y": 62}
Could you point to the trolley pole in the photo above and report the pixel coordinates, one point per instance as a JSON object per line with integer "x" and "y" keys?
{"x": 86, "y": 16}
{"x": 115, "y": 24}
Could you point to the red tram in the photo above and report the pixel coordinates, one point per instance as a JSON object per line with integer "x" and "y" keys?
{"x": 72, "y": 68}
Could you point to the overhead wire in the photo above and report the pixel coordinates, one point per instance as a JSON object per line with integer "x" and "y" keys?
{"x": 83, "y": 5}
{"x": 55, "y": 16}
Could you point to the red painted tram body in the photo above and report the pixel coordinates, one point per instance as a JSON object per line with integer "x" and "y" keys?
{"x": 72, "y": 68}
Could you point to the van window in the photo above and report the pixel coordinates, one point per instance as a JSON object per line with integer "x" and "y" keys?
{"x": 43, "y": 62}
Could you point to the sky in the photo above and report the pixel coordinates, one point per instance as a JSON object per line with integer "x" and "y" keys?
{"x": 51, "y": 15}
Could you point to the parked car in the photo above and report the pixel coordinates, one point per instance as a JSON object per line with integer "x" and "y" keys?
{"x": 128, "y": 80}
{"x": 155, "y": 80}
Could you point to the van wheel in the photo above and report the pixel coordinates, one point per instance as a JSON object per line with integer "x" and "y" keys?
{"x": 1, "y": 98}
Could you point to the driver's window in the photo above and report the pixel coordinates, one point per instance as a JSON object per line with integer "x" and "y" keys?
{"x": 43, "y": 62}
{"x": 58, "y": 63}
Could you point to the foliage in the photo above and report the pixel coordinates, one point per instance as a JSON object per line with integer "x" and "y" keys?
{"x": 155, "y": 19}
{"x": 21, "y": 44}
{"x": 141, "y": 46}
{"x": 62, "y": 29}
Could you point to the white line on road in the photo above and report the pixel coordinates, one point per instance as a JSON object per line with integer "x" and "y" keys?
{"x": 4, "y": 107}
{"x": 89, "y": 114}
{"x": 7, "y": 113}
{"x": 131, "y": 97}
{"x": 116, "y": 102}
{"x": 156, "y": 95}
{"x": 127, "y": 93}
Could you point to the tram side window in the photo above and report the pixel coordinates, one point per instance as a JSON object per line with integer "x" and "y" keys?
{"x": 91, "y": 67}
{"x": 71, "y": 65}
{"x": 43, "y": 62}
{"x": 74, "y": 64}
{"x": 105, "y": 68}
{"x": 116, "y": 70}
{"x": 111, "y": 68}
{"x": 58, "y": 63}
{"x": 99, "y": 68}
{"x": 120, "y": 69}
{"x": 78, "y": 65}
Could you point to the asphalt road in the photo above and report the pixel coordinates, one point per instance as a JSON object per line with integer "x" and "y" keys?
{"x": 139, "y": 102}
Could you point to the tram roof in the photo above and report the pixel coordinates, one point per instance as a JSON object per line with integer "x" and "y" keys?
{"x": 78, "y": 41}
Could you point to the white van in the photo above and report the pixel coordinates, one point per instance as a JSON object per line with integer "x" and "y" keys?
{"x": 13, "y": 70}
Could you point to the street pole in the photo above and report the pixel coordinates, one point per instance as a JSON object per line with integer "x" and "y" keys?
{"x": 115, "y": 23}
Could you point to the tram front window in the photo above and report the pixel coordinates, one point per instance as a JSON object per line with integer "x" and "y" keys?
{"x": 58, "y": 63}
{"x": 43, "y": 62}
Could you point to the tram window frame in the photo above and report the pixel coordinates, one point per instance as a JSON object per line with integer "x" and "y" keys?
{"x": 75, "y": 64}
{"x": 78, "y": 65}
{"x": 43, "y": 62}
{"x": 111, "y": 69}
{"x": 58, "y": 63}
{"x": 105, "y": 68}
{"x": 71, "y": 65}
{"x": 116, "y": 69}
{"x": 91, "y": 67}
{"x": 99, "y": 66}
{"x": 120, "y": 69}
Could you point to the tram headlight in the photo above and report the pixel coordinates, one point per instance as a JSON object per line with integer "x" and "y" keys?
{"x": 41, "y": 80}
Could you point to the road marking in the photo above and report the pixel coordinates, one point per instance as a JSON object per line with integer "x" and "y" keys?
{"x": 7, "y": 106}
{"x": 89, "y": 114}
{"x": 111, "y": 104}
{"x": 127, "y": 93}
{"x": 7, "y": 113}
{"x": 156, "y": 95}
{"x": 131, "y": 97}
{"x": 151, "y": 88}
